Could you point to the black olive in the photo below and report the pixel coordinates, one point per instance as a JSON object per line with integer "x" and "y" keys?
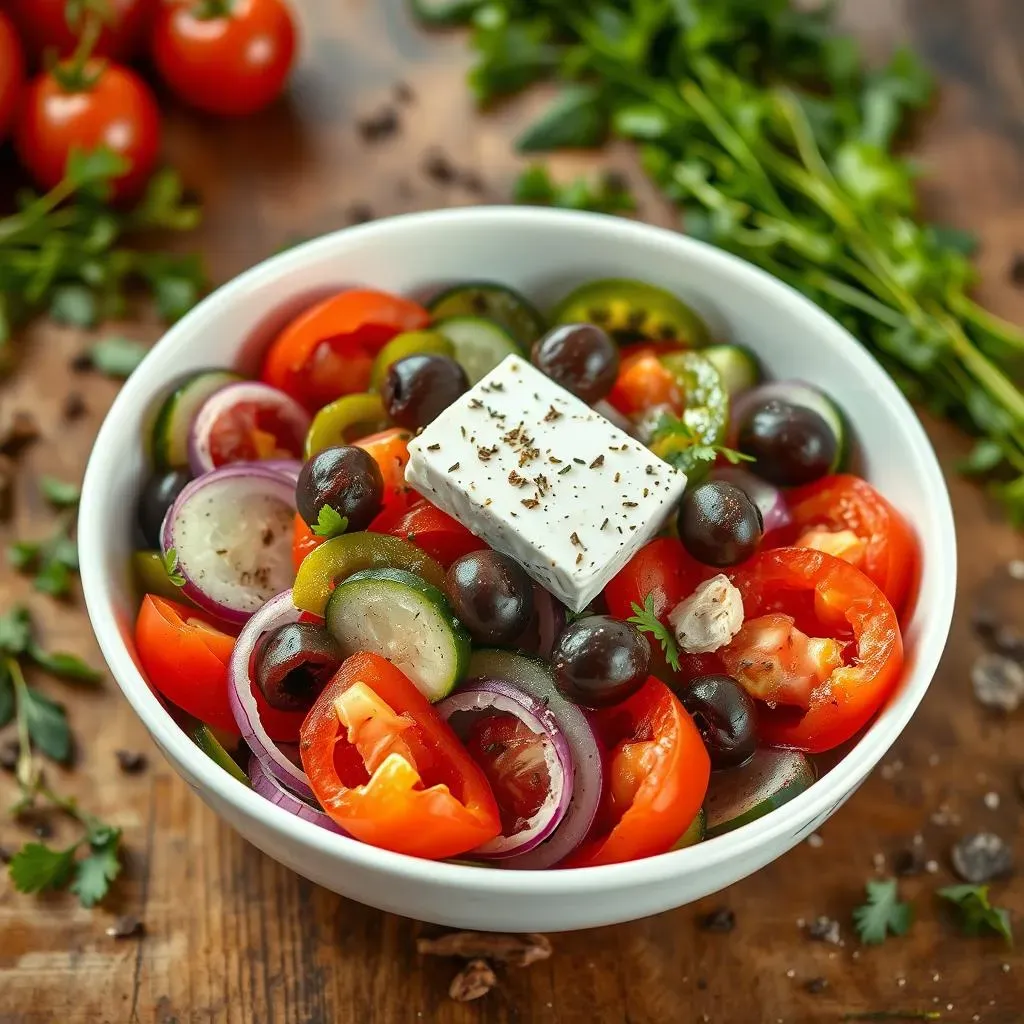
{"x": 348, "y": 479}
{"x": 158, "y": 495}
{"x": 580, "y": 357}
{"x": 418, "y": 388}
{"x": 492, "y": 595}
{"x": 599, "y": 661}
{"x": 718, "y": 523}
{"x": 725, "y": 716}
{"x": 790, "y": 444}
{"x": 293, "y": 663}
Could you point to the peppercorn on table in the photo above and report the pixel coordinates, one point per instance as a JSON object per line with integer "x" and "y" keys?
{"x": 202, "y": 927}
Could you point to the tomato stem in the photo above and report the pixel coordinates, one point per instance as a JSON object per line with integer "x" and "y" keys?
{"x": 207, "y": 10}
{"x": 74, "y": 74}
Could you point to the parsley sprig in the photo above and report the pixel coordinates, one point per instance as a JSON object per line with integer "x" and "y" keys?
{"x": 71, "y": 254}
{"x": 54, "y": 559}
{"x": 778, "y": 142}
{"x": 646, "y": 621}
{"x": 330, "y": 523}
{"x": 607, "y": 193}
{"x": 976, "y": 914}
{"x": 41, "y": 727}
{"x": 680, "y": 445}
{"x": 883, "y": 913}
{"x": 172, "y": 567}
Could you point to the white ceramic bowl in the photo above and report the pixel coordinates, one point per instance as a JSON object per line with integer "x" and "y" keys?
{"x": 543, "y": 253}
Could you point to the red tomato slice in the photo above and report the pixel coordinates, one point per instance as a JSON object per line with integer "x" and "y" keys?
{"x": 437, "y": 533}
{"x": 250, "y": 432}
{"x": 644, "y": 383}
{"x": 658, "y": 773}
{"x": 819, "y": 593}
{"x": 185, "y": 655}
{"x": 512, "y": 758}
{"x": 386, "y": 767}
{"x": 847, "y": 517}
{"x": 329, "y": 350}
{"x": 390, "y": 450}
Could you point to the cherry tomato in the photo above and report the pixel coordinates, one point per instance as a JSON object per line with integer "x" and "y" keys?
{"x": 185, "y": 655}
{"x": 803, "y": 593}
{"x": 116, "y": 110}
{"x": 12, "y": 74}
{"x": 251, "y": 432}
{"x": 437, "y": 533}
{"x": 512, "y": 758}
{"x": 658, "y": 771}
{"x": 44, "y": 27}
{"x": 847, "y": 517}
{"x": 644, "y": 383}
{"x": 229, "y": 58}
{"x": 385, "y": 767}
{"x": 328, "y": 351}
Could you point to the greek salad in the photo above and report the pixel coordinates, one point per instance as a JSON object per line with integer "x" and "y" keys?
{"x": 463, "y": 581}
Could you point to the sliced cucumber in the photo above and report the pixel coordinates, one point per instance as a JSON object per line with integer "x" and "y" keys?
{"x": 400, "y": 616}
{"x": 796, "y": 392}
{"x": 695, "y": 833}
{"x": 739, "y": 796}
{"x": 479, "y": 344}
{"x": 738, "y": 366}
{"x": 411, "y": 343}
{"x": 495, "y": 302}
{"x": 204, "y": 739}
{"x": 632, "y": 309}
{"x": 174, "y": 419}
{"x": 519, "y": 669}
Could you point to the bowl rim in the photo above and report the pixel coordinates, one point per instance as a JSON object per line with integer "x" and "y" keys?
{"x": 793, "y": 817}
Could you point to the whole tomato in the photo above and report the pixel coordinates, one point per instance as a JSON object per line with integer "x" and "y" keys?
{"x": 228, "y": 57}
{"x": 106, "y": 105}
{"x": 44, "y": 26}
{"x": 12, "y": 74}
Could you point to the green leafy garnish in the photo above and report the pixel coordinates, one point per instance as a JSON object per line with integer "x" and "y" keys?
{"x": 681, "y": 446}
{"x": 59, "y": 493}
{"x": 170, "y": 560}
{"x": 117, "y": 357}
{"x": 42, "y": 727}
{"x": 975, "y": 914}
{"x": 330, "y": 523}
{"x": 608, "y": 193}
{"x": 71, "y": 254}
{"x": 778, "y": 142}
{"x": 52, "y": 561}
{"x": 883, "y": 913}
{"x": 647, "y": 622}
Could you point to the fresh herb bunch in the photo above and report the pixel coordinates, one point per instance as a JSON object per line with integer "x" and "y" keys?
{"x": 764, "y": 127}
{"x": 42, "y": 728}
{"x": 70, "y": 254}
{"x": 52, "y": 561}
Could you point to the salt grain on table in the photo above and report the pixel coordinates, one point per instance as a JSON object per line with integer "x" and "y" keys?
{"x": 998, "y": 682}
{"x": 980, "y": 857}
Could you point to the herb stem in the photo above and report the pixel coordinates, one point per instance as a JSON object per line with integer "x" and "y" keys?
{"x": 26, "y": 770}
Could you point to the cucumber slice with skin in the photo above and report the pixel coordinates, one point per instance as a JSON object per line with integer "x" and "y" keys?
{"x": 479, "y": 345}
{"x": 738, "y": 796}
{"x": 695, "y": 833}
{"x": 405, "y": 619}
{"x": 445, "y": 12}
{"x": 204, "y": 739}
{"x": 634, "y": 309}
{"x": 174, "y": 420}
{"x": 411, "y": 343}
{"x": 737, "y": 366}
{"x": 494, "y": 302}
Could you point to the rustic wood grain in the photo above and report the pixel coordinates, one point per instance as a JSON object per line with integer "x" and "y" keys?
{"x": 231, "y": 936}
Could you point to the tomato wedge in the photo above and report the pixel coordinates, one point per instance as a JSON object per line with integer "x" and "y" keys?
{"x": 185, "y": 655}
{"x": 847, "y": 517}
{"x": 658, "y": 775}
{"x": 328, "y": 351}
{"x": 437, "y": 533}
{"x": 387, "y": 769}
{"x": 644, "y": 383}
{"x": 817, "y": 593}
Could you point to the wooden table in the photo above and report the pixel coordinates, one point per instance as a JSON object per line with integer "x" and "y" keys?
{"x": 233, "y": 937}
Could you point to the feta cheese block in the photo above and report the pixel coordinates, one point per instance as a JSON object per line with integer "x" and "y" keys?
{"x": 543, "y": 478}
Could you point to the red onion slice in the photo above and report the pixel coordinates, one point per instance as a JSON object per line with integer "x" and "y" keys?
{"x": 231, "y": 531}
{"x": 532, "y": 678}
{"x": 491, "y": 696}
{"x": 278, "y": 611}
{"x": 267, "y": 786}
{"x": 293, "y": 418}
{"x": 286, "y": 467}
{"x": 767, "y": 497}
